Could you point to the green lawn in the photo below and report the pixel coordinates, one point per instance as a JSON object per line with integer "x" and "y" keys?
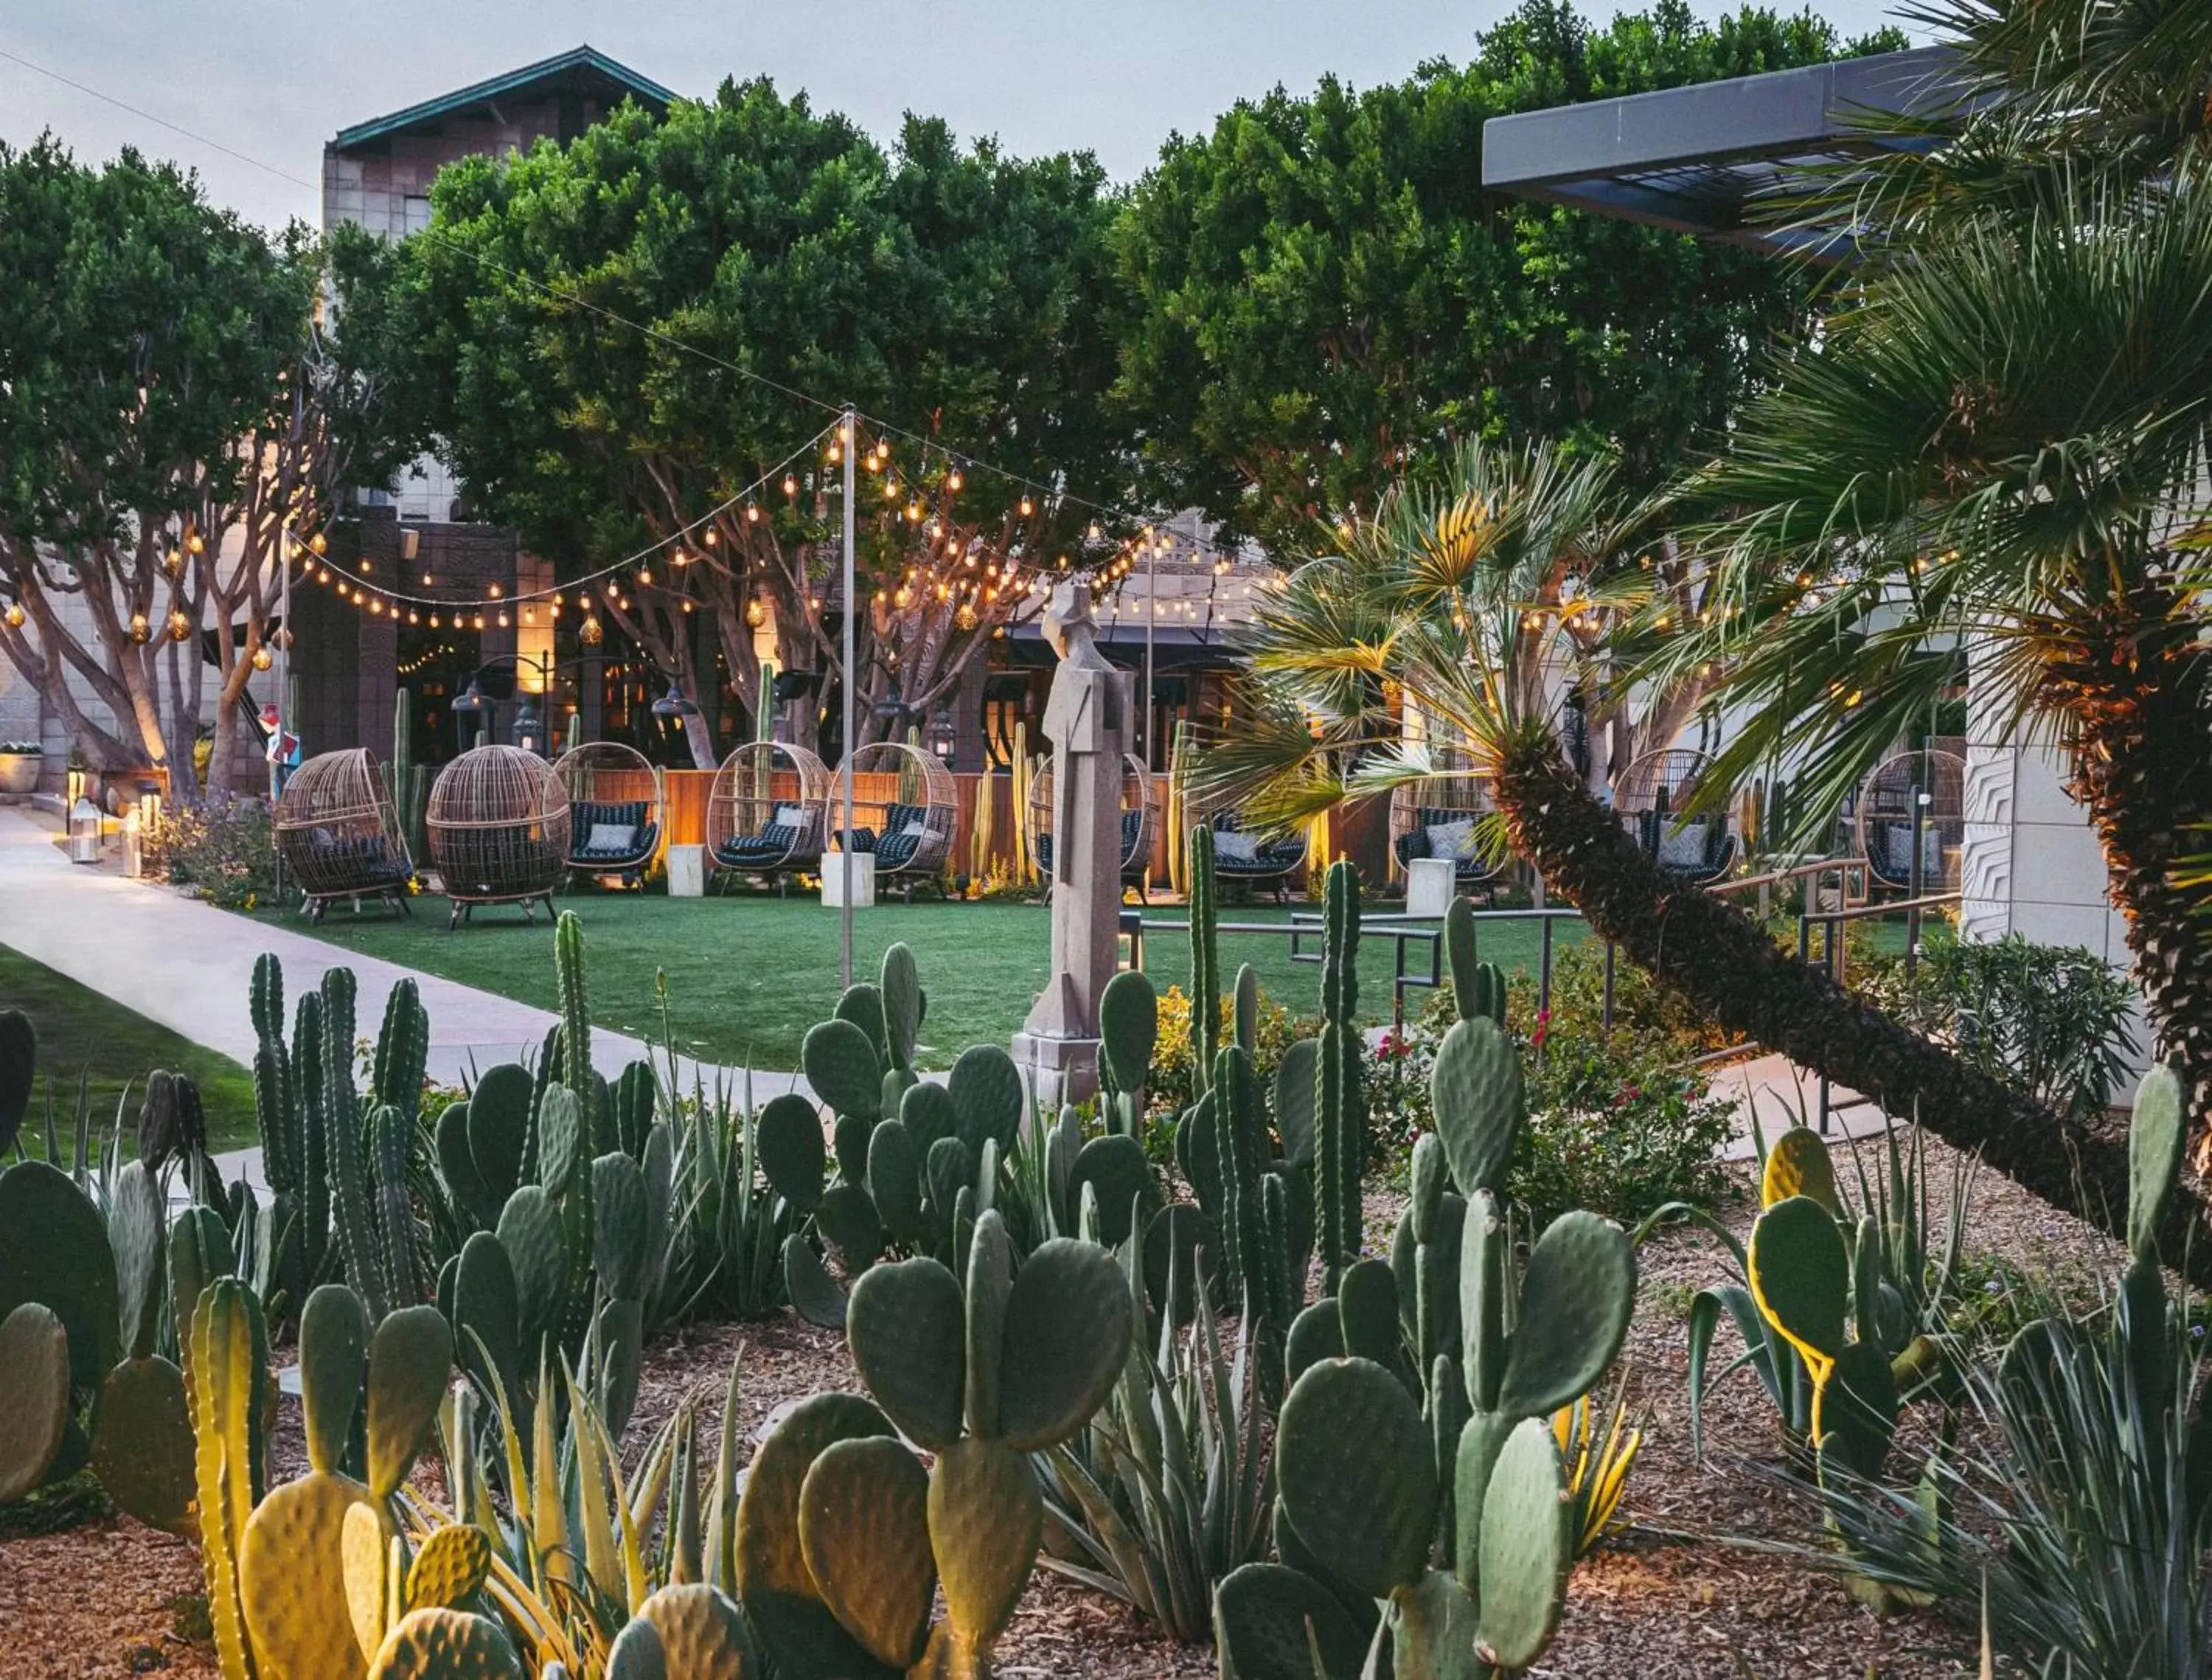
{"x": 747, "y": 976}
{"x": 81, "y": 1033}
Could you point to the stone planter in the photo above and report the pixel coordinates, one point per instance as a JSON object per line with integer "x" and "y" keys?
{"x": 19, "y": 774}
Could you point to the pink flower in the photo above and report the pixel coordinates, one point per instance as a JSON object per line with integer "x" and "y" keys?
{"x": 1543, "y": 1028}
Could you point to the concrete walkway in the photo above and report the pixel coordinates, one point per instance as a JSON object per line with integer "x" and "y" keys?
{"x": 1771, "y": 1093}
{"x": 190, "y": 967}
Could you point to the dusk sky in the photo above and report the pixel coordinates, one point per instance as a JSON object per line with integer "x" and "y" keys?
{"x": 274, "y": 81}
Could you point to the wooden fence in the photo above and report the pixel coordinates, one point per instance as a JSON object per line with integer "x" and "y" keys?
{"x": 1359, "y": 832}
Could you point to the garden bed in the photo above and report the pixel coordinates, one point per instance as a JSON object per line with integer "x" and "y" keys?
{"x": 1668, "y": 1598}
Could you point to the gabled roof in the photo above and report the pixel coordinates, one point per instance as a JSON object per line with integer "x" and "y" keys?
{"x": 582, "y": 70}
{"x": 1702, "y": 159}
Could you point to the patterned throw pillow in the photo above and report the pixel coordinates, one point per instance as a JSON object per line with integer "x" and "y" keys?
{"x": 1683, "y": 848}
{"x": 610, "y": 837}
{"x": 1454, "y": 840}
{"x": 1230, "y": 846}
{"x": 790, "y": 816}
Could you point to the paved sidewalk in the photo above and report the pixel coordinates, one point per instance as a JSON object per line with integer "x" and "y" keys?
{"x": 189, "y": 967}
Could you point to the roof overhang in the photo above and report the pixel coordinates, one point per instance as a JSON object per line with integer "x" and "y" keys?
{"x": 583, "y": 70}
{"x": 1705, "y": 158}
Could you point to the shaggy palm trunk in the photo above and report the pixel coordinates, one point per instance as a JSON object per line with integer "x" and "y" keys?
{"x": 1721, "y": 960}
{"x": 2143, "y": 772}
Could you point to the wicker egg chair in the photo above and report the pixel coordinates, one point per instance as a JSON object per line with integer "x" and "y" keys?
{"x": 499, "y": 828}
{"x": 1881, "y": 826}
{"x": 1244, "y": 856}
{"x": 338, "y": 836}
{"x": 1440, "y": 817}
{"x": 1140, "y": 817}
{"x": 1649, "y": 802}
{"x": 617, "y": 806}
{"x": 905, "y": 806}
{"x": 767, "y": 813}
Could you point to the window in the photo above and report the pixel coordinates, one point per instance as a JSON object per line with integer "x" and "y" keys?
{"x": 414, "y": 215}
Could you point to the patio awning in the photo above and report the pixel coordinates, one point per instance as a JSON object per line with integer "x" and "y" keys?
{"x": 1703, "y": 159}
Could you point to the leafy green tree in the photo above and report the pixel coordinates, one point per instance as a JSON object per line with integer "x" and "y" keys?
{"x": 1323, "y": 297}
{"x": 955, "y": 293}
{"x": 168, "y": 406}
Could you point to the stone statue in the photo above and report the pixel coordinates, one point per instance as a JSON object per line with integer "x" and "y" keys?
{"x": 1087, "y": 719}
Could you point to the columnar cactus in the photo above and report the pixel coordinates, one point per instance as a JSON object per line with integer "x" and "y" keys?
{"x": 1340, "y": 1103}
{"x": 402, "y": 1050}
{"x": 18, "y": 1061}
{"x": 1204, "y": 966}
{"x": 576, "y": 1069}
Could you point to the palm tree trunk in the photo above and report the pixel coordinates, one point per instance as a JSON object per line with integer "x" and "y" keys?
{"x": 1721, "y": 960}
{"x": 2143, "y": 769}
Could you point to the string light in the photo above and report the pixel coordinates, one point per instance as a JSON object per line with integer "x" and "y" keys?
{"x": 138, "y": 629}
{"x": 15, "y": 615}
{"x": 263, "y": 659}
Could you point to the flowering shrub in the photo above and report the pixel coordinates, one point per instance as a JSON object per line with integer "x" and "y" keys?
{"x": 1618, "y": 1127}
{"x": 1617, "y": 1123}
{"x": 224, "y": 850}
{"x": 1174, "y": 1087}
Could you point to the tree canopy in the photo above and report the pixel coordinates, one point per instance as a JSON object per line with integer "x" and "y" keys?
{"x": 167, "y": 402}
{"x": 952, "y": 292}
{"x": 1322, "y": 296}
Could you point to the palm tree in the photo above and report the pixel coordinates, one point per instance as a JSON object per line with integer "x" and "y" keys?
{"x": 1462, "y": 604}
{"x": 2002, "y": 444}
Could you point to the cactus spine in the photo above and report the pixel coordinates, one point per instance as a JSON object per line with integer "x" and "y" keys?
{"x": 1340, "y": 1105}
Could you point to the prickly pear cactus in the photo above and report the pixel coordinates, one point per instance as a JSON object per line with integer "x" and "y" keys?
{"x": 1386, "y": 1462}
{"x": 34, "y": 1409}
{"x": 843, "y": 1542}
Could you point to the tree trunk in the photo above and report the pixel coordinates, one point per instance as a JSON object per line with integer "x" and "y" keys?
{"x": 1724, "y": 963}
{"x": 2143, "y": 769}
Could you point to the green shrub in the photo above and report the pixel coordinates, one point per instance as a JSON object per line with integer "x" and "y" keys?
{"x": 2051, "y": 1021}
{"x": 224, "y": 849}
{"x": 1620, "y": 1124}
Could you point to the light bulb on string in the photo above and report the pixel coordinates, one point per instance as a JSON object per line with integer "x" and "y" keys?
{"x": 1028, "y": 506}
{"x": 709, "y": 538}
{"x": 752, "y": 512}
{"x": 953, "y": 481}
{"x": 790, "y": 484}
{"x": 645, "y": 576}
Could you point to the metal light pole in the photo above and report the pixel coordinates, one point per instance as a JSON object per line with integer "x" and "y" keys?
{"x": 1152, "y": 617}
{"x": 847, "y": 435}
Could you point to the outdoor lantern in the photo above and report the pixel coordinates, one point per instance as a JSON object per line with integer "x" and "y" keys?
{"x": 673, "y": 707}
{"x": 470, "y": 709}
{"x": 76, "y": 786}
{"x": 263, "y": 659}
{"x": 150, "y": 806}
{"x": 530, "y": 727}
{"x": 944, "y": 741}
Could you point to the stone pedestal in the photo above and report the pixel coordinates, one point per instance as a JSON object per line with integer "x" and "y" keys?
{"x": 1431, "y": 882}
{"x": 687, "y": 872}
{"x": 843, "y": 873}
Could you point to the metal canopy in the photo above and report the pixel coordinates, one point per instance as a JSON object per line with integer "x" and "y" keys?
{"x": 1703, "y": 159}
